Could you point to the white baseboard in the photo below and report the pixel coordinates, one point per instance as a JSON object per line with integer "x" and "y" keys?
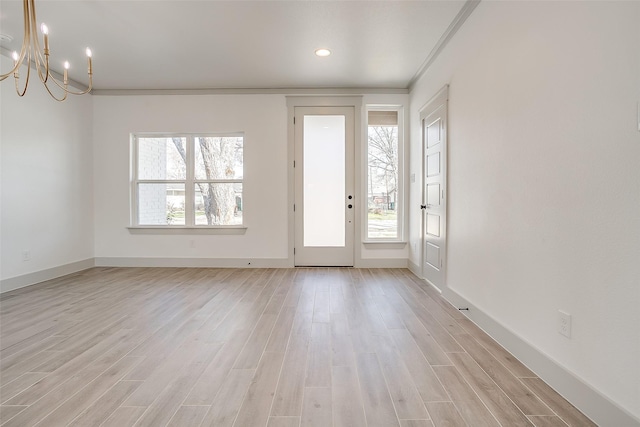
{"x": 42, "y": 275}
{"x": 18, "y": 282}
{"x": 415, "y": 268}
{"x": 382, "y": 263}
{"x": 602, "y": 410}
{"x": 231, "y": 262}
{"x": 194, "y": 262}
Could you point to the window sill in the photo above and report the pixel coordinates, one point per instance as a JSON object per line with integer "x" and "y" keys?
{"x": 221, "y": 230}
{"x": 384, "y": 244}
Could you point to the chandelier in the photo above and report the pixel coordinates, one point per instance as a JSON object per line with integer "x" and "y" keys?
{"x": 33, "y": 57}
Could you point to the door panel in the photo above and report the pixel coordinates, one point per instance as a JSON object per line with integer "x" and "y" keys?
{"x": 433, "y": 164}
{"x": 433, "y": 225}
{"x": 324, "y": 184}
{"x": 433, "y": 256}
{"x": 434, "y": 132}
{"x": 433, "y": 194}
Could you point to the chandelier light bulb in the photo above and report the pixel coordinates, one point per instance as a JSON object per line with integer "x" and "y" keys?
{"x": 90, "y": 68}
{"x": 66, "y": 73}
{"x": 45, "y": 36}
{"x": 323, "y": 52}
{"x": 14, "y": 55}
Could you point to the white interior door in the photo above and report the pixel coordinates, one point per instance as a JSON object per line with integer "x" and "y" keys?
{"x": 324, "y": 186}
{"x": 434, "y": 137}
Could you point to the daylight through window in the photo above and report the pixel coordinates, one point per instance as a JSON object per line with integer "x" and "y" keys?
{"x": 383, "y": 175}
{"x": 188, "y": 180}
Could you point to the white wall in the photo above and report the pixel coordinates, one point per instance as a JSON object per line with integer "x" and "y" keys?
{"x": 544, "y": 179}
{"x": 263, "y": 119}
{"x": 47, "y": 180}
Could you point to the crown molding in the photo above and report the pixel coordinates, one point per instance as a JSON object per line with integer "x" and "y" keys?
{"x": 448, "y": 34}
{"x": 251, "y": 91}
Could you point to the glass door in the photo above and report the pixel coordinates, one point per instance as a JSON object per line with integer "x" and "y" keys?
{"x": 325, "y": 202}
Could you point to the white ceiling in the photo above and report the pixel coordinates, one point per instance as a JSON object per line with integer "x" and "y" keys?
{"x": 149, "y": 44}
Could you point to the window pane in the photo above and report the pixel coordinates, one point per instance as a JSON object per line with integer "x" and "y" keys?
{"x": 218, "y": 204}
{"x": 161, "y": 204}
{"x": 161, "y": 158}
{"x": 382, "y": 220}
{"x": 324, "y": 181}
{"x": 218, "y": 157}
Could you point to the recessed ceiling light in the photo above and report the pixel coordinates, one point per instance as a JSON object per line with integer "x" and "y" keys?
{"x": 323, "y": 52}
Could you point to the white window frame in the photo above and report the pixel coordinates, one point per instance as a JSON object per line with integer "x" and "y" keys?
{"x": 400, "y": 236}
{"x": 189, "y": 183}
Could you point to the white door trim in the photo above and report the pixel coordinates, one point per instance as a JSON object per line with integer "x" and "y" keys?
{"x": 323, "y": 101}
{"x": 439, "y": 100}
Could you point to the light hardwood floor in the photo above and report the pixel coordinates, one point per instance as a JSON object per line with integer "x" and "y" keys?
{"x": 257, "y": 347}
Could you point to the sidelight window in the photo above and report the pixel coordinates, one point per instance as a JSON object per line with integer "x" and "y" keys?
{"x": 384, "y": 183}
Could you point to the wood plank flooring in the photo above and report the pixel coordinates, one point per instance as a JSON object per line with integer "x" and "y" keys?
{"x": 315, "y": 347}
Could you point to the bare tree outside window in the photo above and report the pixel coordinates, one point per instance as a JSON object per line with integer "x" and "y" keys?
{"x": 219, "y": 158}
{"x": 216, "y": 158}
{"x": 382, "y": 184}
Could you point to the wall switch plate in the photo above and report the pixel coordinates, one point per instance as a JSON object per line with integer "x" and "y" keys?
{"x": 564, "y": 323}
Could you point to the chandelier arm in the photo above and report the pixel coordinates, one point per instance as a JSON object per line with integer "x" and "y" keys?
{"x": 67, "y": 90}
{"x": 25, "y": 40}
{"x": 40, "y": 64}
{"x": 4, "y": 76}
{"x": 17, "y": 63}
{"x": 26, "y": 81}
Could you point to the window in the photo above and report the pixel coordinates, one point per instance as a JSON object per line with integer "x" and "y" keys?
{"x": 187, "y": 180}
{"x": 384, "y": 192}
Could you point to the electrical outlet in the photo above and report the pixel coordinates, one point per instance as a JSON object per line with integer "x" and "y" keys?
{"x": 564, "y": 323}
{"x": 26, "y": 255}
